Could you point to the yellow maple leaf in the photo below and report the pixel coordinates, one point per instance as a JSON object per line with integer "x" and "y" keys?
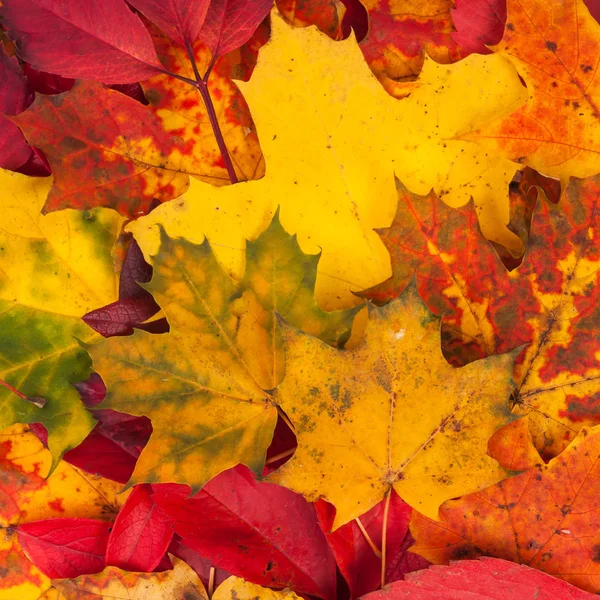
{"x": 332, "y": 140}
{"x": 391, "y": 413}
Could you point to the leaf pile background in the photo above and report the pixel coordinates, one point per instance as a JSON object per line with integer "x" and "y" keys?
{"x": 299, "y": 299}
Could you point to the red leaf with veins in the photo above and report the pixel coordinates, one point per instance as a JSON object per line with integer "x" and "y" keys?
{"x": 14, "y": 98}
{"x": 478, "y": 23}
{"x": 357, "y": 561}
{"x": 483, "y": 579}
{"x": 101, "y": 41}
{"x": 141, "y": 533}
{"x": 65, "y": 548}
{"x": 181, "y": 20}
{"x": 260, "y": 531}
{"x": 230, "y": 23}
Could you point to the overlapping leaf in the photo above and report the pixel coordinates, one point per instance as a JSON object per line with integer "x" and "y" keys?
{"x": 546, "y": 517}
{"x": 360, "y": 421}
{"x": 554, "y": 46}
{"x": 53, "y": 269}
{"x": 334, "y": 180}
{"x": 203, "y": 384}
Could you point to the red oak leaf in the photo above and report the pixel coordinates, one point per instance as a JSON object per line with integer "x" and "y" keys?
{"x": 356, "y": 558}
{"x": 14, "y": 98}
{"x": 231, "y": 23}
{"x": 259, "y": 531}
{"x": 102, "y": 41}
{"x": 483, "y": 579}
{"x": 478, "y": 23}
{"x": 65, "y": 548}
{"x": 181, "y": 20}
{"x": 141, "y": 533}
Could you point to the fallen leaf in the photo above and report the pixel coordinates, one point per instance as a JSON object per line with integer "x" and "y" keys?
{"x": 209, "y": 374}
{"x": 141, "y": 533}
{"x": 478, "y": 24}
{"x": 356, "y": 558}
{"x": 327, "y": 15}
{"x": 256, "y": 530}
{"x": 64, "y": 548}
{"x": 556, "y": 131}
{"x": 546, "y": 518}
{"x": 115, "y": 584}
{"x": 105, "y": 150}
{"x": 234, "y": 587}
{"x": 362, "y": 431}
{"x": 53, "y": 269}
{"x": 334, "y": 182}
{"x": 484, "y": 579}
{"x": 106, "y": 41}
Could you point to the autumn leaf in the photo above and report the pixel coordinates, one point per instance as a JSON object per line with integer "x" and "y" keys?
{"x": 554, "y": 46}
{"x": 223, "y": 351}
{"x": 327, "y": 15}
{"x": 357, "y": 545}
{"x": 484, "y": 579}
{"x": 362, "y": 431}
{"x": 181, "y": 113}
{"x": 106, "y": 41}
{"x": 478, "y": 24}
{"x": 259, "y": 531}
{"x": 244, "y": 590}
{"x": 25, "y": 496}
{"x": 334, "y": 183}
{"x": 105, "y": 150}
{"x": 53, "y": 269}
{"x": 545, "y": 518}
{"x": 115, "y": 584}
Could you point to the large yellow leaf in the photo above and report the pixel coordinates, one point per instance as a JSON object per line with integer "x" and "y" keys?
{"x": 391, "y": 413}
{"x": 332, "y": 140}
{"x": 554, "y": 44}
{"x": 205, "y": 383}
{"x": 53, "y": 270}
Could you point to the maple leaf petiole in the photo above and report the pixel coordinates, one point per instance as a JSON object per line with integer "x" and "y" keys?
{"x": 211, "y": 583}
{"x": 386, "y": 509}
{"x": 39, "y": 402}
{"x": 376, "y": 550}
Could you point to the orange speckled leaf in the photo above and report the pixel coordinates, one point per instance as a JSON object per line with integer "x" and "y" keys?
{"x": 105, "y": 149}
{"x": 547, "y": 302}
{"x": 327, "y": 15}
{"x": 25, "y": 496}
{"x": 180, "y": 112}
{"x": 554, "y": 44}
{"x": 400, "y": 33}
{"x": 180, "y": 583}
{"x": 513, "y": 447}
{"x": 547, "y": 517}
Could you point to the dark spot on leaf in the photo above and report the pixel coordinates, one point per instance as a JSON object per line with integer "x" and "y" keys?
{"x": 551, "y": 46}
{"x": 510, "y": 27}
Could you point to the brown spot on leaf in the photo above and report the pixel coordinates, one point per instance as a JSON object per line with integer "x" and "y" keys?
{"x": 551, "y": 46}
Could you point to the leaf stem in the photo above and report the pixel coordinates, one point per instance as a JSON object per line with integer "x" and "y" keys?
{"x": 211, "y": 582}
{"x": 37, "y": 401}
{"x": 279, "y": 456}
{"x": 13, "y": 390}
{"x": 386, "y": 509}
{"x": 286, "y": 419}
{"x": 376, "y": 550}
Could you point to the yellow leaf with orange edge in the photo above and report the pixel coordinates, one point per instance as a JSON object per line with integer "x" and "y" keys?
{"x": 53, "y": 270}
{"x": 26, "y": 496}
{"x": 332, "y": 140}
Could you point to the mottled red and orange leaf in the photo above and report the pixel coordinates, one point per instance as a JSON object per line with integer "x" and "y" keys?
{"x": 547, "y": 517}
{"x": 105, "y": 149}
{"x": 327, "y": 15}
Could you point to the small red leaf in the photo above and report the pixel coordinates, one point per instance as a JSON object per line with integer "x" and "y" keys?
{"x": 121, "y": 316}
{"x": 479, "y": 23}
{"x": 181, "y": 20}
{"x": 483, "y": 579}
{"x": 101, "y": 41}
{"x": 92, "y": 391}
{"x": 141, "y": 533}
{"x": 260, "y": 531}
{"x": 65, "y": 548}
{"x": 231, "y": 23}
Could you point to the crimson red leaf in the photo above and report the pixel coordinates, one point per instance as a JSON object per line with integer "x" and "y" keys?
{"x": 92, "y": 391}
{"x": 119, "y": 318}
{"x": 357, "y": 561}
{"x": 231, "y": 23}
{"x": 141, "y": 533}
{"x": 102, "y": 41}
{"x": 478, "y": 23}
{"x": 201, "y": 565}
{"x": 260, "y": 531}
{"x": 46, "y": 83}
{"x": 65, "y": 548}
{"x": 113, "y": 447}
{"x": 14, "y": 98}
{"x": 483, "y": 579}
{"x": 282, "y": 447}
{"x": 181, "y": 20}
